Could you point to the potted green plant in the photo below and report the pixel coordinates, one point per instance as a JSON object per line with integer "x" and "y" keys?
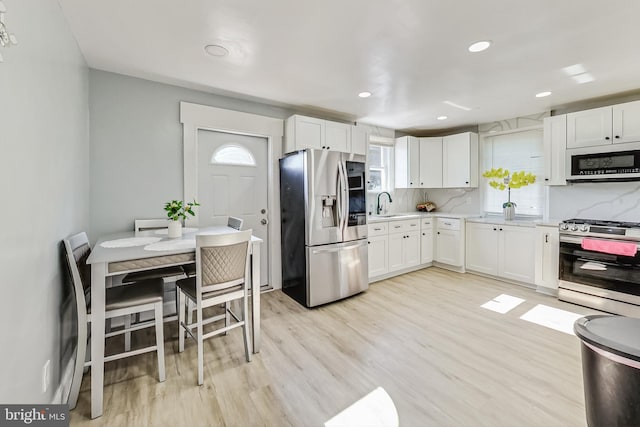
{"x": 177, "y": 211}
{"x": 502, "y": 179}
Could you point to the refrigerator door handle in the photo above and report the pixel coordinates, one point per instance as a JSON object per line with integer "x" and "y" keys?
{"x": 339, "y": 248}
{"x": 344, "y": 199}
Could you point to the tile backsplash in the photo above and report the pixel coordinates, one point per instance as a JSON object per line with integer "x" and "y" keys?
{"x": 602, "y": 200}
{"x": 452, "y": 200}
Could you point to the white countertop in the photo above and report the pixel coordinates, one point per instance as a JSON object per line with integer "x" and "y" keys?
{"x": 411, "y": 215}
{"x": 372, "y": 219}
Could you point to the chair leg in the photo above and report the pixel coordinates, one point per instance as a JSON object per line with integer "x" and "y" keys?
{"x": 189, "y": 311}
{"x": 245, "y": 326}
{"x": 227, "y": 315}
{"x": 200, "y": 347}
{"x": 159, "y": 318}
{"x": 127, "y": 335}
{"x": 181, "y": 309}
{"x": 81, "y": 353}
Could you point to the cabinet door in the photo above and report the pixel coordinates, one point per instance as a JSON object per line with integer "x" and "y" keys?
{"x": 481, "y": 246}
{"x": 309, "y": 133}
{"x": 589, "y": 128}
{"x": 555, "y": 145}
{"x": 359, "y": 139}
{"x": 337, "y": 137}
{"x": 448, "y": 247}
{"x": 378, "y": 253}
{"x": 431, "y": 162}
{"x": 626, "y": 122}
{"x": 396, "y": 261}
{"x": 414, "y": 162}
{"x": 426, "y": 247}
{"x": 460, "y": 160}
{"x": 516, "y": 253}
{"x": 547, "y": 257}
{"x": 411, "y": 249}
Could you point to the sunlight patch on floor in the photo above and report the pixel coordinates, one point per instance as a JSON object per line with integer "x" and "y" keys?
{"x": 553, "y": 318}
{"x": 376, "y": 409}
{"x": 503, "y": 303}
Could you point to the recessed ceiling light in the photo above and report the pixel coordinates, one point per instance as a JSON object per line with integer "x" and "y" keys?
{"x": 574, "y": 69}
{"x": 442, "y": 117}
{"x": 480, "y": 46}
{"x": 543, "y": 94}
{"x": 583, "y": 78}
{"x": 216, "y": 50}
{"x": 364, "y": 94}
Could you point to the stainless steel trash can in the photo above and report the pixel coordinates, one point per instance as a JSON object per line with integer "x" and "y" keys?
{"x": 610, "y": 369}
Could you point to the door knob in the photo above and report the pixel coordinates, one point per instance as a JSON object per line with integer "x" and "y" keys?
{"x": 264, "y": 221}
{"x": 263, "y": 211}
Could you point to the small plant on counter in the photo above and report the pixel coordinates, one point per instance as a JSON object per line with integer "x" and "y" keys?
{"x": 502, "y": 179}
{"x": 177, "y": 209}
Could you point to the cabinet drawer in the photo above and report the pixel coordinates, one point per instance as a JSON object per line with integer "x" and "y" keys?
{"x": 403, "y": 226}
{"x": 378, "y": 229}
{"x": 448, "y": 224}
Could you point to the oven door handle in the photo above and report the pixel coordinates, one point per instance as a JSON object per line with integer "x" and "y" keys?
{"x": 578, "y": 240}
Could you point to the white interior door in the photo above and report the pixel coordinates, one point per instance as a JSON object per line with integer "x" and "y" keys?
{"x": 232, "y": 181}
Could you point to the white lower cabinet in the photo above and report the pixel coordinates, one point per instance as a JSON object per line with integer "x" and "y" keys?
{"x": 404, "y": 244}
{"x": 378, "y": 255}
{"x": 449, "y": 242}
{"x": 426, "y": 241}
{"x": 547, "y": 258}
{"x": 399, "y": 246}
{"x": 505, "y": 251}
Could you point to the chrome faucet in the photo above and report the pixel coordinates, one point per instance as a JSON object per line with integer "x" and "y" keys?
{"x": 378, "y": 207}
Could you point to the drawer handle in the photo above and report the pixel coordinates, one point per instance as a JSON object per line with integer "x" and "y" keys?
{"x": 447, "y": 223}
{"x": 413, "y": 225}
{"x": 377, "y": 229}
{"x": 396, "y": 226}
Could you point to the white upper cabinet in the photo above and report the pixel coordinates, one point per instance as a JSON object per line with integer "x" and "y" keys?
{"x": 430, "y": 162}
{"x": 407, "y": 161}
{"x": 555, "y": 145}
{"x": 615, "y": 124}
{"x": 626, "y": 122}
{"x": 337, "y": 137}
{"x": 359, "y": 140}
{"x": 308, "y": 132}
{"x": 460, "y": 160}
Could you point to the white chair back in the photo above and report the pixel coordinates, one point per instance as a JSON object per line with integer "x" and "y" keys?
{"x": 222, "y": 261}
{"x": 234, "y": 222}
{"x": 150, "y": 226}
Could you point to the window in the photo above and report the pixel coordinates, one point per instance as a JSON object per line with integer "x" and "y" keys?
{"x": 380, "y": 167}
{"x": 232, "y": 154}
{"x": 519, "y": 151}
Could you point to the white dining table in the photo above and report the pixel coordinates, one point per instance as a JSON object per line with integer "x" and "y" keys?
{"x": 109, "y": 262}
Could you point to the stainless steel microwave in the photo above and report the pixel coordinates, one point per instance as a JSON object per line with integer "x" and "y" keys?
{"x": 604, "y": 163}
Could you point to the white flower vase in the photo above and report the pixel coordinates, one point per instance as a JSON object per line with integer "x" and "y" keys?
{"x": 175, "y": 229}
{"x": 509, "y": 210}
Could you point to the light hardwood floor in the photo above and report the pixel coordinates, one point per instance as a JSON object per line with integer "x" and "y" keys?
{"x": 423, "y": 337}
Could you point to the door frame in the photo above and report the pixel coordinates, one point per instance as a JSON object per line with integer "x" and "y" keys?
{"x": 195, "y": 117}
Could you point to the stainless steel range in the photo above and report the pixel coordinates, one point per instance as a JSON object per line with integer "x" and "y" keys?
{"x": 600, "y": 265}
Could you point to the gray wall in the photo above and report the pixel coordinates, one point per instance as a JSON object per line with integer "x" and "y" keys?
{"x": 136, "y": 146}
{"x": 44, "y": 179}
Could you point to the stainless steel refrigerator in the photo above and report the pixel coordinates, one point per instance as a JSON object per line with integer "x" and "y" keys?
{"x": 324, "y": 226}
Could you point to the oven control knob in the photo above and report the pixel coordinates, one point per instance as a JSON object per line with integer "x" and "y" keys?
{"x": 584, "y": 227}
{"x": 574, "y": 227}
{"x": 563, "y": 226}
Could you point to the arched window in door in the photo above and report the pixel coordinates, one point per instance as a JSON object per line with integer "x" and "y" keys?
{"x": 233, "y": 154}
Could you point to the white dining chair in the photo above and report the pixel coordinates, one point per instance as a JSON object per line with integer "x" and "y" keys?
{"x": 234, "y": 222}
{"x": 222, "y": 276}
{"x": 119, "y": 301}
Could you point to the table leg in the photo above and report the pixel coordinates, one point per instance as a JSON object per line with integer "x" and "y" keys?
{"x": 98, "y": 281}
{"x": 255, "y": 295}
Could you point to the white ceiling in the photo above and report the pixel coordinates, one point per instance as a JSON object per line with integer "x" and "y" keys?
{"x": 411, "y": 54}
